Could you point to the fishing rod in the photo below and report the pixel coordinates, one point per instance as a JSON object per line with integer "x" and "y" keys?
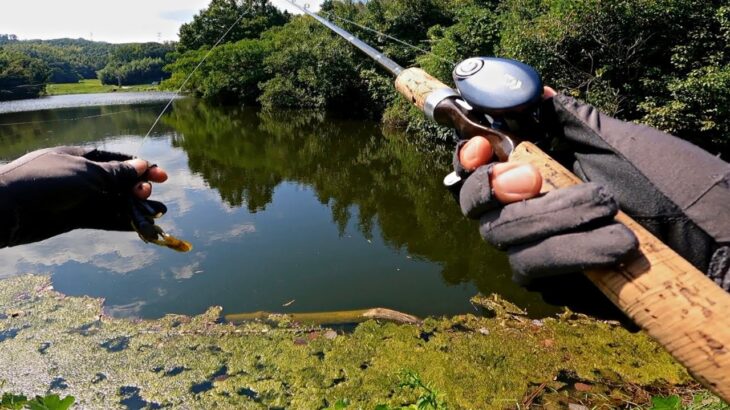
{"x": 496, "y": 98}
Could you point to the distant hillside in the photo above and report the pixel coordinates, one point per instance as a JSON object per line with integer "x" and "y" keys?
{"x": 27, "y": 65}
{"x": 68, "y": 60}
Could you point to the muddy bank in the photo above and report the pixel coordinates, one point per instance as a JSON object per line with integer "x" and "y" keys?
{"x": 53, "y": 343}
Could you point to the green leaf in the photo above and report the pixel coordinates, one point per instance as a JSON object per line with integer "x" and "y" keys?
{"x": 12, "y": 401}
{"x": 342, "y": 404}
{"x": 666, "y": 403}
{"x": 51, "y": 402}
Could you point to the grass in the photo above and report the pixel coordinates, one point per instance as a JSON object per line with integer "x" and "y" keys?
{"x": 94, "y": 86}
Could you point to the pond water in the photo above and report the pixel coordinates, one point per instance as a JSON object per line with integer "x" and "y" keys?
{"x": 84, "y": 100}
{"x": 280, "y": 207}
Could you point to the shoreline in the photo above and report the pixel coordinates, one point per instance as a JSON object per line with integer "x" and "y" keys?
{"x": 67, "y": 343}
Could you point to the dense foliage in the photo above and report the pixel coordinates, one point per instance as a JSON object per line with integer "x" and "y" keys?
{"x": 131, "y": 64}
{"x": 230, "y": 74}
{"x": 21, "y": 76}
{"x": 68, "y": 59}
{"x": 662, "y": 62}
{"x": 211, "y": 24}
{"x": 71, "y": 60}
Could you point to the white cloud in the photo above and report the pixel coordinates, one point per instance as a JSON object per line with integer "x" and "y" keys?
{"x": 112, "y": 21}
{"x": 118, "y": 252}
{"x": 235, "y": 232}
{"x": 106, "y": 20}
{"x": 190, "y": 270}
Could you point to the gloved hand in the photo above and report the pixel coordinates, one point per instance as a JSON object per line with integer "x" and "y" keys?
{"x": 563, "y": 231}
{"x": 52, "y": 191}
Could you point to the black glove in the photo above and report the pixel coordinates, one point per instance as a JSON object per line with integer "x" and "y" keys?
{"x": 564, "y": 231}
{"x": 674, "y": 189}
{"x": 52, "y": 191}
{"x": 677, "y": 191}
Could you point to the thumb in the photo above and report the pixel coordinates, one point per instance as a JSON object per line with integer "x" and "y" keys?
{"x": 140, "y": 166}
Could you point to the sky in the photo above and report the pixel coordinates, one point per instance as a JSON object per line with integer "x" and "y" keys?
{"x": 113, "y": 21}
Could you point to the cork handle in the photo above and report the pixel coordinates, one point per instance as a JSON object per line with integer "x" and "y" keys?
{"x": 670, "y": 299}
{"x": 416, "y": 85}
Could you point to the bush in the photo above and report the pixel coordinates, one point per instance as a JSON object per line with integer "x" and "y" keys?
{"x": 231, "y": 73}
{"x": 144, "y": 71}
{"x": 662, "y": 62}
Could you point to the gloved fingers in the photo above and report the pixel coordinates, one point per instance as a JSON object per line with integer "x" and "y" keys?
{"x": 129, "y": 174}
{"x": 115, "y": 215}
{"x": 471, "y": 154}
{"x": 155, "y": 209}
{"x": 147, "y": 171}
{"x": 92, "y": 154}
{"x": 155, "y": 174}
{"x": 124, "y": 174}
{"x": 559, "y": 211}
{"x": 572, "y": 252}
{"x": 106, "y": 156}
{"x": 142, "y": 214}
{"x": 496, "y": 184}
{"x": 142, "y": 190}
{"x": 476, "y": 196}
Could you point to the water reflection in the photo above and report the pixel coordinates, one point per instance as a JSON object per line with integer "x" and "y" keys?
{"x": 281, "y": 206}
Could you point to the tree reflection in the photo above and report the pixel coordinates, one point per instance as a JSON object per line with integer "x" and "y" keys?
{"x": 23, "y": 132}
{"x": 381, "y": 178}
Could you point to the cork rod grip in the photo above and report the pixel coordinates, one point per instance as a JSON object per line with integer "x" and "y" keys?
{"x": 416, "y": 85}
{"x": 670, "y": 299}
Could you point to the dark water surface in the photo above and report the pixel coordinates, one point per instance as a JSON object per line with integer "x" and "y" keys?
{"x": 279, "y": 206}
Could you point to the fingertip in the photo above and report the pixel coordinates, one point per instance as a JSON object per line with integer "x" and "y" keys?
{"x": 514, "y": 182}
{"x": 157, "y": 174}
{"x": 475, "y": 153}
{"x": 139, "y": 165}
{"x": 142, "y": 190}
{"x": 548, "y": 92}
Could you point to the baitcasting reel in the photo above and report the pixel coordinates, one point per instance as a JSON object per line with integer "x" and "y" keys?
{"x": 507, "y": 91}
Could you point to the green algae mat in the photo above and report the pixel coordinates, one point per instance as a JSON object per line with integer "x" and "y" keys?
{"x": 53, "y": 344}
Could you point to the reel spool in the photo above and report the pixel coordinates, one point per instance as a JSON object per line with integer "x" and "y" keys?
{"x": 506, "y": 91}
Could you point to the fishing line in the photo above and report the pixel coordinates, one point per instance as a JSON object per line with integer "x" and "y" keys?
{"x": 392, "y": 38}
{"x": 169, "y": 103}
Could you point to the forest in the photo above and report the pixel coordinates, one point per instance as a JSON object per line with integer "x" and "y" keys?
{"x": 665, "y": 63}
{"x": 26, "y": 66}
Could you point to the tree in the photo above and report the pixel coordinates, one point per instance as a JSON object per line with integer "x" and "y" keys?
{"x": 211, "y": 23}
{"x": 131, "y": 64}
{"x": 21, "y": 76}
{"x": 310, "y": 68}
{"x": 143, "y": 71}
{"x": 7, "y": 38}
{"x": 663, "y": 62}
{"x": 231, "y": 73}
